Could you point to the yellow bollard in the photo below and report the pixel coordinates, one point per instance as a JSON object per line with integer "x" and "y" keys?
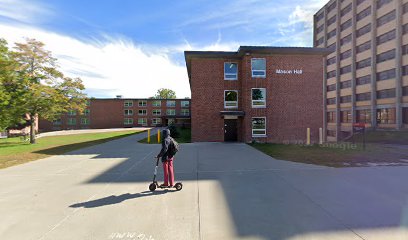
{"x": 308, "y": 136}
{"x": 158, "y": 136}
{"x": 148, "y": 135}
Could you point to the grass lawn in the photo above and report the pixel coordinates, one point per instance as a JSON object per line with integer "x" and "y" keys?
{"x": 13, "y": 151}
{"x": 382, "y": 136}
{"x": 185, "y": 137}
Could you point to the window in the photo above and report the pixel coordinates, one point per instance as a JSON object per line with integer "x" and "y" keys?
{"x": 345, "y": 55}
{"x": 366, "y": 12}
{"x": 387, "y": 93}
{"x": 331, "y": 87}
{"x": 405, "y": 91}
{"x": 57, "y": 122}
{"x": 320, "y": 29}
{"x": 128, "y": 121}
{"x": 386, "y": 18}
{"x": 156, "y": 112}
{"x": 381, "y": 3}
{"x": 345, "y": 40}
{"x": 71, "y": 113}
{"x": 345, "y": 10}
{"x": 258, "y": 67}
{"x": 142, "y": 103}
{"x": 331, "y": 7}
{"x": 142, "y": 112}
{"x": 156, "y": 103}
{"x": 71, "y": 121}
{"x": 346, "y": 25}
{"x": 128, "y": 104}
{"x": 142, "y": 121}
{"x": 360, "y": 2}
{"x": 87, "y": 112}
{"x": 385, "y": 56}
{"x": 331, "y": 20}
{"x": 405, "y": 115}
{"x": 320, "y": 41}
{"x": 230, "y": 71}
{"x": 363, "y": 47}
{"x": 331, "y": 34}
{"x": 185, "y": 112}
{"x": 128, "y": 112}
{"x": 331, "y": 74}
{"x": 345, "y": 116}
{"x": 385, "y": 75}
{"x": 185, "y": 103}
{"x": 363, "y": 80}
{"x": 171, "y": 112}
{"x": 363, "y": 96}
{"x": 331, "y": 133}
{"x": 259, "y": 126}
{"x": 345, "y": 69}
{"x": 320, "y": 16}
{"x": 388, "y": 36}
{"x": 404, "y": 70}
{"x": 171, "y": 103}
{"x": 156, "y": 121}
{"x": 363, "y": 30}
{"x": 404, "y": 49}
{"x": 386, "y": 115}
{"x": 331, "y": 61}
{"x": 363, "y": 63}
{"x": 405, "y": 28}
{"x": 405, "y": 8}
{"x": 363, "y": 116}
{"x": 84, "y": 121}
{"x": 332, "y": 47}
{"x": 331, "y": 117}
{"x": 230, "y": 99}
{"x": 345, "y": 84}
{"x": 258, "y": 97}
{"x": 331, "y": 101}
{"x": 345, "y": 99}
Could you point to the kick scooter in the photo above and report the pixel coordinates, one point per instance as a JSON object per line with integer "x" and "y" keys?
{"x": 178, "y": 186}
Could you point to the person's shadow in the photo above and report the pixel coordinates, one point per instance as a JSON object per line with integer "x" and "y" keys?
{"x": 116, "y": 199}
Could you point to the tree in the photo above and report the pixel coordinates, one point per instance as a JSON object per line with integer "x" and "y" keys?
{"x": 50, "y": 93}
{"x": 12, "y": 91}
{"x": 164, "y": 93}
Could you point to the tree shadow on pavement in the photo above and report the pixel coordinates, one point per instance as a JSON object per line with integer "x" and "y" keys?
{"x": 113, "y": 199}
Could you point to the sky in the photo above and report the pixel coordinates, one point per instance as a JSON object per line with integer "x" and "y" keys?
{"x": 133, "y": 48}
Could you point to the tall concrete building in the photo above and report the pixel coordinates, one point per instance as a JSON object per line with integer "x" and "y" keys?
{"x": 366, "y": 76}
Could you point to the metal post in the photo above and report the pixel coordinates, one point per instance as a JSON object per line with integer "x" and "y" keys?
{"x": 148, "y": 135}
{"x": 308, "y": 136}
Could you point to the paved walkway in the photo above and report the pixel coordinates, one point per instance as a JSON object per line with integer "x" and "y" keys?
{"x": 231, "y": 191}
{"x": 81, "y": 131}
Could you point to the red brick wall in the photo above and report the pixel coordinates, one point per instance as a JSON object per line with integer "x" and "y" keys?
{"x": 294, "y": 102}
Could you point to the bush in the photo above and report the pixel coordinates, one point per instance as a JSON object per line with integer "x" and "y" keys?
{"x": 174, "y": 133}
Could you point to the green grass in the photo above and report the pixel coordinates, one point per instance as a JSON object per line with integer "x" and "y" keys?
{"x": 382, "y": 136}
{"x": 333, "y": 155}
{"x": 185, "y": 137}
{"x": 13, "y": 151}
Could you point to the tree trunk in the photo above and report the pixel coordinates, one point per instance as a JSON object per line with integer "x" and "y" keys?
{"x": 32, "y": 129}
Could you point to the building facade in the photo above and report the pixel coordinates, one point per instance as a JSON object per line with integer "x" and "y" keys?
{"x": 366, "y": 73}
{"x": 120, "y": 113}
{"x": 265, "y": 94}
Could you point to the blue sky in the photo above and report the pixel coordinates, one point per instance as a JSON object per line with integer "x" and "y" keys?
{"x": 133, "y": 48}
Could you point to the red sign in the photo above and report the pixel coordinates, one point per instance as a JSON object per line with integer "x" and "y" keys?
{"x": 361, "y": 125}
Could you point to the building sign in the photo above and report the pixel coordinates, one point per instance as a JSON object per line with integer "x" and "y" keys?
{"x": 291, "y": 71}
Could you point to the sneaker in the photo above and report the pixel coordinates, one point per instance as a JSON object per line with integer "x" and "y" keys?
{"x": 164, "y": 186}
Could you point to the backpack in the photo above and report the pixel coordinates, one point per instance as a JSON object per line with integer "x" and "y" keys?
{"x": 174, "y": 147}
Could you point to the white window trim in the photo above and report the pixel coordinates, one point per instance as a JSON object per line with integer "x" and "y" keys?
{"x": 236, "y": 75}
{"x": 156, "y": 105}
{"x": 128, "y": 110}
{"x": 156, "y": 121}
{"x": 144, "y": 122}
{"x": 252, "y": 71}
{"x": 127, "y": 122}
{"x": 252, "y": 101}
{"x": 142, "y": 105}
{"x": 183, "y": 105}
{"x": 185, "y": 112}
{"x": 225, "y": 102}
{"x": 258, "y": 135}
{"x": 128, "y": 103}
{"x": 167, "y": 105}
{"x": 87, "y": 122}
{"x": 156, "y": 114}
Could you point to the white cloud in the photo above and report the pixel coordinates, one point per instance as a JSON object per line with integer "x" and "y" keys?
{"x": 111, "y": 66}
{"x": 24, "y": 11}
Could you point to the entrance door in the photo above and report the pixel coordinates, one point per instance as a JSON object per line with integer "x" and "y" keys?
{"x": 230, "y": 130}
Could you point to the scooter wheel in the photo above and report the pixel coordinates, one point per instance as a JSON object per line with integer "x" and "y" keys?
{"x": 178, "y": 186}
{"x": 152, "y": 187}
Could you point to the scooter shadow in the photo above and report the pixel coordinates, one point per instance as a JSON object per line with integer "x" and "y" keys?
{"x": 118, "y": 199}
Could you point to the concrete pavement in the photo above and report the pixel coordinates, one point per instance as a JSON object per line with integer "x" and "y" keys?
{"x": 231, "y": 191}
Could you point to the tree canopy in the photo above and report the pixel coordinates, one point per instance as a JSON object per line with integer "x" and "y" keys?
{"x": 164, "y": 93}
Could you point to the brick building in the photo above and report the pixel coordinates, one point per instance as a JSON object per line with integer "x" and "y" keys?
{"x": 366, "y": 73}
{"x": 266, "y": 94}
{"x": 120, "y": 112}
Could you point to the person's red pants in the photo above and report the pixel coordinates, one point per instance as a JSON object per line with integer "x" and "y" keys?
{"x": 168, "y": 172}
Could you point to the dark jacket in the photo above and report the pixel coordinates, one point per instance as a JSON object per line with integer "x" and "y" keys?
{"x": 166, "y": 141}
